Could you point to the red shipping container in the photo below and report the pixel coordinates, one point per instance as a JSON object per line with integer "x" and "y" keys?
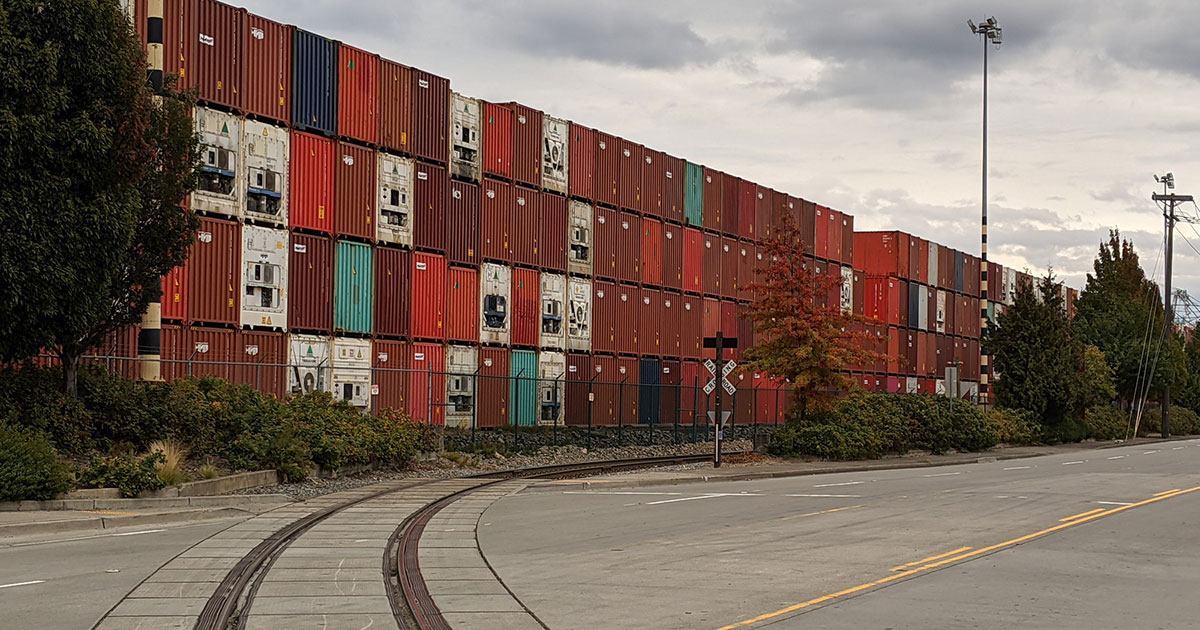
{"x": 650, "y": 322}
{"x": 710, "y": 323}
{"x": 626, "y": 324}
{"x": 355, "y": 192}
{"x": 847, "y": 238}
{"x": 462, "y": 304}
{"x": 608, "y": 169}
{"x": 174, "y": 294}
{"x": 605, "y": 311}
{"x": 729, "y": 268}
{"x": 431, "y": 116}
{"x": 604, "y": 388}
{"x": 747, "y": 209}
{"x": 922, "y": 271}
{"x": 629, "y": 247}
{"x": 806, "y": 215}
{"x": 577, "y": 403}
{"x": 495, "y": 221}
{"x": 582, "y": 163}
{"x": 714, "y": 198}
{"x": 670, "y": 342}
{"x": 712, "y": 265}
{"x": 527, "y": 145}
{"x": 835, "y": 235}
{"x": 389, "y": 376}
{"x": 672, "y": 208}
{"x": 632, "y": 164}
{"x": 859, "y": 293}
{"x": 311, "y": 176}
{"x": 764, "y": 200}
{"x": 691, "y": 327}
{"x": 652, "y": 252}
{"x": 427, "y": 383}
{"x": 607, "y": 237}
{"x": 395, "y": 106}
{"x": 358, "y": 94}
{"x": 267, "y": 83}
{"x": 430, "y": 187}
{"x": 214, "y": 273}
{"x": 263, "y": 359}
{"x": 498, "y": 140}
{"x": 492, "y": 387}
{"x": 821, "y": 238}
{"x": 428, "y": 296}
{"x": 393, "y": 278}
{"x": 310, "y": 284}
{"x": 462, "y": 224}
{"x": 180, "y": 359}
{"x": 180, "y": 42}
{"x": 552, "y": 241}
{"x": 746, "y": 265}
{"x": 672, "y": 256}
{"x": 654, "y": 175}
{"x": 883, "y": 253}
{"x": 526, "y": 216}
{"x": 526, "y": 308}
{"x": 218, "y": 56}
{"x": 628, "y": 373}
{"x": 729, "y": 319}
{"x": 693, "y": 260}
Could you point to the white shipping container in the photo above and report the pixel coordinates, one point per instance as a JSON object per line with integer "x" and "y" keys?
{"x": 579, "y": 238}
{"x": 267, "y": 150}
{"x": 847, "y": 289}
{"x": 554, "y": 154}
{"x": 461, "y": 362}
{"x": 941, "y": 311}
{"x": 910, "y": 385}
{"x": 465, "y": 138}
{"x": 352, "y": 371}
{"x": 922, "y": 307}
{"x": 495, "y": 296}
{"x": 554, "y": 306}
{"x": 1010, "y": 286}
{"x": 394, "y": 223}
{"x": 579, "y": 314}
{"x": 308, "y": 364}
{"x": 940, "y": 387}
{"x": 933, "y": 264}
{"x": 264, "y": 277}
{"x": 552, "y": 384}
{"x": 219, "y": 189}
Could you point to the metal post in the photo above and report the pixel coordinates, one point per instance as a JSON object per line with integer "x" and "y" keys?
{"x": 560, "y": 406}
{"x": 429, "y": 393}
{"x": 695, "y": 404}
{"x": 678, "y": 402}
{"x": 475, "y": 403}
{"x": 777, "y": 407}
{"x": 591, "y": 403}
{"x": 717, "y": 424}
{"x": 621, "y": 412}
{"x": 517, "y": 406}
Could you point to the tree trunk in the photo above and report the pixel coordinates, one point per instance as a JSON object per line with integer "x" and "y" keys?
{"x": 70, "y": 364}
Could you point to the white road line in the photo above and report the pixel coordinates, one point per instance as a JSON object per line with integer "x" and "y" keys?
{"x": 830, "y": 485}
{"x": 1018, "y": 467}
{"x": 22, "y": 583}
{"x": 942, "y": 474}
{"x": 651, "y": 494}
{"x": 1117, "y": 457}
{"x": 1149, "y": 452}
{"x": 703, "y": 496}
{"x": 1110, "y": 503}
{"x": 1177, "y": 448}
{"x": 1072, "y": 463}
{"x": 826, "y": 496}
{"x": 144, "y": 531}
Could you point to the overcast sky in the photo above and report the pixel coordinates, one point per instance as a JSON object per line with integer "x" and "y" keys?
{"x": 872, "y": 108}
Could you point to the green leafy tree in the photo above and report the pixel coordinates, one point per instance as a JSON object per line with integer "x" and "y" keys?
{"x": 93, "y": 170}
{"x": 1189, "y": 394}
{"x": 1096, "y": 381}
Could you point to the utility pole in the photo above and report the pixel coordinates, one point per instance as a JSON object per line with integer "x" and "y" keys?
{"x": 990, "y": 33}
{"x": 1170, "y": 202}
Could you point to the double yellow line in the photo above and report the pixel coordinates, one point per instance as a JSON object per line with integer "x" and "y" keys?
{"x": 954, "y": 556}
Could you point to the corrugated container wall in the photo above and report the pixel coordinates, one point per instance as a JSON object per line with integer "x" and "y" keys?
{"x": 495, "y": 221}
{"x": 672, "y": 256}
{"x": 214, "y": 272}
{"x": 555, "y": 155}
{"x": 311, "y": 183}
{"x": 263, "y": 356}
{"x": 632, "y": 165}
{"x": 219, "y": 59}
{"x": 731, "y": 192}
{"x": 694, "y": 195}
{"x": 267, "y": 83}
{"x": 395, "y": 106}
{"x": 714, "y": 197}
{"x": 527, "y": 145}
{"x": 552, "y": 239}
{"x": 310, "y": 283}
{"x": 608, "y": 169}
{"x": 524, "y": 233}
{"x": 523, "y": 402}
{"x": 629, "y": 248}
{"x": 390, "y": 378}
{"x": 652, "y": 252}
{"x": 174, "y": 294}
{"x": 497, "y": 140}
{"x": 428, "y": 297}
{"x": 493, "y": 387}
{"x": 354, "y": 192}
{"x": 465, "y": 139}
{"x": 581, "y": 155}
{"x": 358, "y": 94}
{"x": 431, "y": 116}
{"x": 430, "y": 185}
{"x": 462, "y": 224}
{"x": 393, "y": 269}
{"x": 673, "y": 185}
{"x": 693, "y": 260}
{"x": 353, "y": 292}
{"x": 314, "y": 83}
{"x": 180, "y": 41}
{"x": 653, "y": 182}
{"x": 427, "y": 383}
{"x": 462, "y": 305}
{"x": 526, "y": 308}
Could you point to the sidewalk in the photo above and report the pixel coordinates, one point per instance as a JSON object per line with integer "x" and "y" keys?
{"x": 31, "y": 518}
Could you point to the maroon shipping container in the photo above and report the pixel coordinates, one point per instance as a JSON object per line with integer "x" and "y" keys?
{"x": 632, "y": 164}
{"x": 393, "y": 278}
{"x": 354, "y": 192}
{"x": 670, "y": 342}
{"x": 730, "y": 205}
{"x": 607, "y": 234}
{"x": 218, "y": 53}
{"x": 672, "y": 256}
{"x": 671, "y": 398}
{"x": 496, "y": 220}
{"x": 883, "y": 253}
{"x": 653, "y": 182}
{"x": 462, "y": 304}
{"x": 358, "y": 94}
{"x": 714, "y": 198}
{"x": 652, "y": 252}
{"x": 711, "y": 278}
{"x": 498, "y": 140}
{"x": 807, "y": 216}
{"x": 605, "y": 314}
{"x": 180, "y": 359}
{"x": 462, "y": 224}
{"x": 764, "y": 200}
{"x": 267, "y": 82}
{"x": 263, "y": 357}
{"x": 310, "y": 284}
{"x": 710, "y": 323}
{"x": 691, "y": 327}
{"x": 629, "y": 248}
{"x": 527, "y": 145}
{"x": 427, "y": 383}
{"x": 672, "y": 207}
{"x": 493, "y": 387}
{"x": 835, "y": 235}
{"x": 428, "y": 296}
{"x": 848, "y": 239}
{"x": 430, "y": 116}
{"x": 627, "y": 323}
{"x": 430, "y": 186}
{"x": 214, "y": 273}
{"x": 180, "y": 42}
{"x": 747, "y": 194}
{"x": 524, "y": 231}
{"x": 729, "y": 268}
{"x": 628, "y": 374}
{"x": 745, "y": 269}
{"x": 581, "y": 160}
{"x": 395, "y": 106}
{"x": 174, "y": 294}
{"x": 552, "y": 240}
{"x": 729, "y": 318}
{"x": 650, "y": 318}
{"x": 577, "y": 403}
{"x": 389, "y": 376}
{"x": 693, "y": 260}
{"x": 526, "y": 308}
{"x": 604, "y": 409}
{"x": 311, "y": 177}
{"x": 608, "y": 169}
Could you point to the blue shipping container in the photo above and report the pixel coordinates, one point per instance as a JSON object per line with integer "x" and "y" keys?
{"x": 353, "y": 288}
{"x": 522, "y": 389}
{"x": 650, "y": 392}
{"x": 314, "y": 83}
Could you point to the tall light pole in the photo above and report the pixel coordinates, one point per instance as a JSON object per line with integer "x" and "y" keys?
{"x": 990, "y": 33}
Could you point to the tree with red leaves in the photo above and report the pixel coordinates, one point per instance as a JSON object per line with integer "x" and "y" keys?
{"x": 800, "y": 337}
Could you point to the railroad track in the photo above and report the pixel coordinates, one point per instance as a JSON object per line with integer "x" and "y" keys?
{"x": 229, "y": 606}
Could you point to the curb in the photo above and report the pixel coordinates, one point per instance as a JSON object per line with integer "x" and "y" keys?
{"x": 112, "y": 522}
{"x": 146, "y": 503}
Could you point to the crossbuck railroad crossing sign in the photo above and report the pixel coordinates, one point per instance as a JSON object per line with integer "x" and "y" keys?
{"x": 729, "y": 367}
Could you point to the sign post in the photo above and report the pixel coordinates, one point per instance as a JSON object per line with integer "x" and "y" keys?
{"x": 719, "y": 417}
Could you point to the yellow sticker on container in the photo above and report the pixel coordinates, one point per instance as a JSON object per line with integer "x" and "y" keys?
{"x": 320, "y": 212}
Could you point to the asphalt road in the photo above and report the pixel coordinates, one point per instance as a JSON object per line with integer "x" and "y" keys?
{"x": 69, "y": 581}
{"x": 1088, "y": 539}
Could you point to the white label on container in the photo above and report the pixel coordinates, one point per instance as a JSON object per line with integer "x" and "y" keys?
{"x": 645, "y": 300}
{"x": 601, "y": 219}
{"x": 707, "y": 244}
{"x": 726, "y": 248}
{"x": 621, "y": 369}
{"x": 603, "y": 145}
{"x": 708, "y": 178}
{"x": 743, "y": 252}
{"x": 418, "y": 356}
{"x": 252, "y": 350}
{"x": 572, "y": 369}
{"x": 300, "y": 249}
{"x": 204, "y": 237}
{"x": 457, "y": 194}
{"x": 374, "y": 389}
{"x": 790, "y": 205}
{"x": 667, "y": 303}
{"x": 760, "y": 195}
{"x": 422, "y": 83}
{"x": 666, "y": 370}
{"x": 648, "y": 160}
{"x": 600, "y": 294}
{"x": 207, "y": 40}
{"x": 624, "y": 297}
{"x": 760, "y": 256}
{"x": 521, "y": 118}
{"x": 687, "y": 307}
{"x": 669, "y": 175}
{"x": 491, "y": 194}
{"x": 422, "y": 175}
{"x": 599, "y": 369}
{"x": 348, "y": 160}
{"x": 624, "y": 225}
{"x": 487, "y": 363}
{"x": 257, "y": 33}
{"x": 422, "y": 266}
{"x": 670, "y": 235}
{"x": 520, "y": 201}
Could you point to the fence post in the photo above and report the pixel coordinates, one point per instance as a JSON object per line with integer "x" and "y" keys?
{"x": 474, "y": 402}
{"x": 591, "y": 381}
{"x": 516, "y": 420}
{"x": 754, "y": 403}
{"x": 621, "y": 412}
{"x": 695, "y": 404}
{"x": 678, "y": 401}
{"x": 559, "y": 409}
{"x": 778, "y": 409}
{"x": 650, "y": 413}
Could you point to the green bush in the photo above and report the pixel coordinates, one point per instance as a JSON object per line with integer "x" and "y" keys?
{"x": 1184, "y": 421}
{"x": 29, "y": 466}
{"x": 1014, "y": 426}
{"x": 1106, "y": 422}
{"x": 130, "y": 474}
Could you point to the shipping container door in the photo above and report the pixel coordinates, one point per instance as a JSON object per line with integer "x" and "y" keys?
{"x": 527, "y": 215}
{"x": 267, "y": 85}
{"x": 462, "y": 305}
{"x": 428, "y": 297}
{"x": 712, "y": 265}
{"x": 729, "y": 268}
{"x": 431, "y": 116}
{"x": 358, "y": 94}
{"x": 493, "y": 386}
{"x": 672, "y": 256}
{"x": 746, "y": 210}
{"x": 526, "y": 308}
{"x": 608, "y": 169}
{"x": 353, "y": 288}
{"x": 462, "y": 224}
{"x": 650, "y": 325}
{"x": 395, "y": 106}
{"x": 427, "y": 383}
{"x": 310, "y": 283}
{"x": 582, "y": 158}
{"x": 497, "y": 140}
{"x": 653, "y": 181}
{"x": 392, "y": 297}
{"x": 604, "y": 316}
{"x": 527, "y": 145}
{"x": 311, "y": 181}
{"x": 693, "y": 260}
{"x": 219, "y": 56}
{"x": 673, "y": 198}
{"x": 694, "y": 195}
{"x": 430, "y": 187}
{"x": 354, "y": 192}
{"x": 632, "y": 165}
{"x": 652, "y": 254}
{"x": 496, "y": 220}
{"x": 650, "y": 392}
{"x": 523, "y": 400}
{"x": 214, "y": 272}
{"x": 714, "y": 198}
{"x": 608, "y": 232}
{"x": 629, "y": 247}
{"x": 670, "y": 394}
{"x": 314, "y": 83}
{"x": 627, "y": 321}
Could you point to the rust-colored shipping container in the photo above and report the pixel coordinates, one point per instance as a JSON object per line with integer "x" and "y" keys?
{"x": 848, "y": 239}
{"x": 428, "y": 297}
{"x": 628, "y": 373}
{"x": 462, "y": 224}
{"x": 652, "y": 252}
{"x": 431, "y": 116}
{"x": 603, "y": 389}
{"x": 627, "y": 321}
{"x": 430, "y": 187}
{"x": 311, "y": 182}
{"x": 745, "y": 269}
{"x": 883, "y": 253}
{"x": 714, "y": 198}
{"x": 496, "y": 220}
{"x": 581, "y": 172}
{"x": 219, "y": 62}
{"x": 577, "y": 403}
{"x": 835, "y": 236}
{"x": 214, "y": 273}
{"x": 632, "y": 164}
{"x": 669, "y": 327}
{"x": 821, "y": 238}
{"x": 693, "y": 260}
{"x": 181, "y": 357}
{"x": 729, "y": 318}
{"x": 608, "y": 169}
{"x": 808, "y": 225}
{"x": 629, "y": 248}
{"x": 552, "y": 240}
{"x": 174, "y": 294}
{"x": 395, "y": 106}
{"x": 267, "y": 82}
{"x": 691, "y": 327}
{"x": 605, "y": 313}
{"x": 262, "y": 359}
{"x": 498, "y": 140}
{"x": 389, "y": 376}
{"x": 462, "y": 304}
{"x": 358, "y": 94}
{"x": 653, "y": 182}
{"x": 427, "y": 383}
{"x": 711, "y": 279}
{"x": 710, "y": 323}
{"x": 180, "y": 42}
{"x": 764, "y": 200}
{"x": 524, "y": 231}
{"x": 310, "y": 284}
{"x": 526, "y": 145}
{"x": 673, "y": 177}
{"x": 607, "y": 236}
{"x": 747, "y": 195}
{"x": 650, "y": 326}
{"x": 526, "y": 307}
{"x": 354, "y": 192}
{"x": 672, "y": 256}
{"x": 730, "y": 217}
{"x": 492, "y": 387}
{"x": 729, "y": 268}
{"x": 393, "y": 278}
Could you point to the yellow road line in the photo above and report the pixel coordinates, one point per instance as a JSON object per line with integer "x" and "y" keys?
{"x": 930, "y": 559}
{"x": 1166, "y": 492}
{"x": 970, "y": 554}
{"x": 1081, "y": 514}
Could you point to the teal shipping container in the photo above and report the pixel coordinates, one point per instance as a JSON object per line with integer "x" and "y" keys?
{"x": 522, "y": 389}
{"x": 693, "y": 195}
{"x": 353, "y": 288}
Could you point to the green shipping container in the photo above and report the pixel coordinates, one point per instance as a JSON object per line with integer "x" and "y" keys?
{"x": 353, "y": 288}
{"x": 693, "y": 195}
{"x": 522, "y": 389}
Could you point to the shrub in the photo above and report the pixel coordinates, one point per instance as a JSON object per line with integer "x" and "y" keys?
{"x": 129, "y": 474}
{"x": 1106, "y": 422}
{"x": 170, "y": 469}
{"x": 29, "y": 466}
{"x": 1064, "y": 430}
{"x": 1014, "y": 426}
{"x": 1184, "y": 421}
